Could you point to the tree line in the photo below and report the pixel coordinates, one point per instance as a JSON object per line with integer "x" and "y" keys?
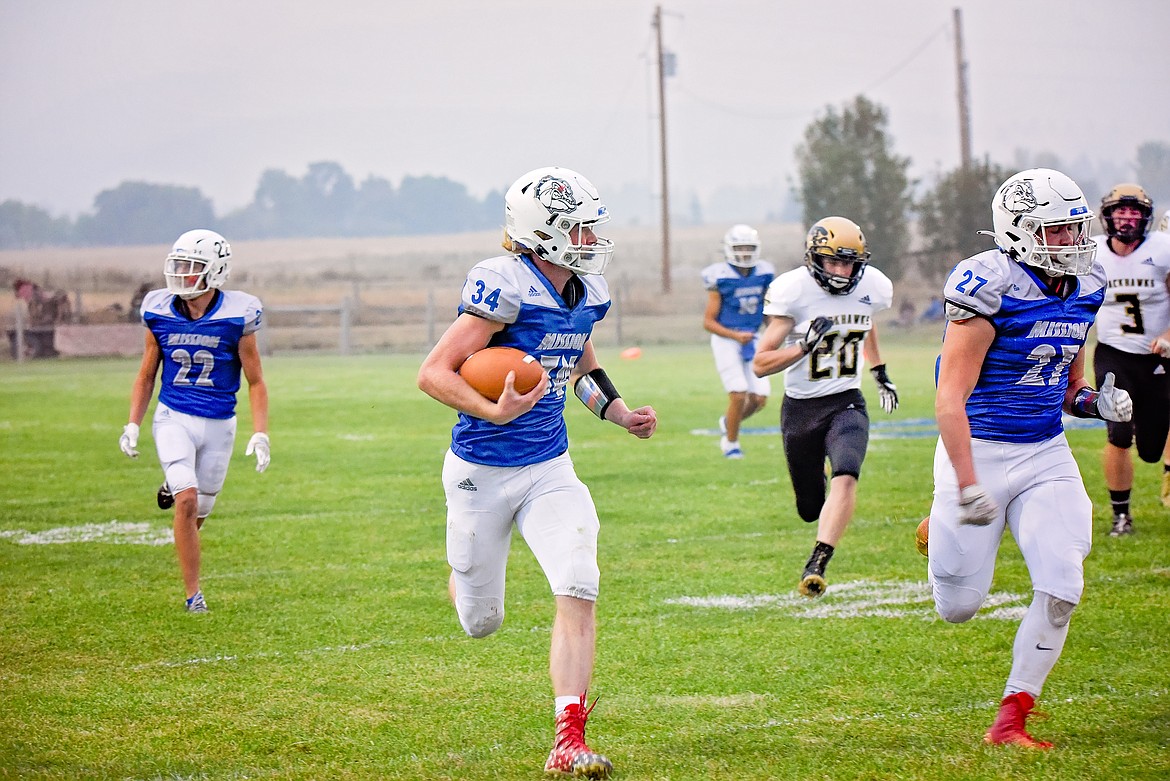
{"x": 325, "y": 202}
{"x": 845, "y": 165}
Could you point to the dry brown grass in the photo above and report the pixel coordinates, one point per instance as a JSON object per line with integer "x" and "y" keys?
{"x": 404, "y": 289}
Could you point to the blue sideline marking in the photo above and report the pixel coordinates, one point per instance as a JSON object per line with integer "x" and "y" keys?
{"x": 910, "y": 428}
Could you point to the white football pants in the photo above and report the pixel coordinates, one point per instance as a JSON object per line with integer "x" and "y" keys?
{"x": 736, "y": 373}
{"x": 194, "y": 452}
{"x": 1042, "y": 501}
{"x": 550, "y": 507}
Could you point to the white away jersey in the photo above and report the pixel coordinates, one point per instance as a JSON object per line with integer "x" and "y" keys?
{"x": 509, "y": 289}
{"x": 1137, "y": 305}
{"x": 201, "y": 358}
{"x": 836, "y": 365}
{"x": 1021, "y": 387}
{"x": 742, "y": 295}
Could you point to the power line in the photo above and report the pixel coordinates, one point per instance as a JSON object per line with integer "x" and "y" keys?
{"x": 909, "y": 59}
{"x": 800, "y": 114}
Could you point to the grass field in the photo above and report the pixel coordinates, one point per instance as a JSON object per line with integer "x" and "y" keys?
{"x": 331, "y": 651}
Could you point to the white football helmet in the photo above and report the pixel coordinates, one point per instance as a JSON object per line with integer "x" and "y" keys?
{"x": 741, "y": 246}
{"x": 1039, "y": 198}
{"x": 198, "y": 262}
{"x": 552, "y": 212}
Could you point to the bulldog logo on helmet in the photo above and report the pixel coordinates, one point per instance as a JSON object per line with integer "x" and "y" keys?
{"x": 1019, "y": 198}
{"x": 555, "y": 195}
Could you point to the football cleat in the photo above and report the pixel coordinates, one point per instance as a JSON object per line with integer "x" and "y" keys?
{"x": 166, "y": 500}
{"x": 1166, "y": 483}
{"x": 570, "y": 755}
{"x": 196, "y": 603}
{"x": 730, "y": 449}
{"x": 1008, "y": 727}
{"x": 1122, "y": 525}
{"x": 922, "y": 536}
{"x": 812, "y": 580}
{"x": 812, "y": 584}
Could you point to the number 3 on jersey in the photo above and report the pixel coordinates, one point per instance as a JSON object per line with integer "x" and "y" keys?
{"x": 492, "y": 299}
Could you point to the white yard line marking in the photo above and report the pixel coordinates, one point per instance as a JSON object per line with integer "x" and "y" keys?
{"x": 859, "y": 599}
{"x": 115, "y": 532}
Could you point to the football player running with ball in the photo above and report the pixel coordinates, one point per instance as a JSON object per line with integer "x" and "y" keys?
{"x": 1012, "y": 362}
{"x": 735, "y": 296}
{"x": 825, "y": 313}
{"x": 203, "y": 338}
{"x": 1133, "y": 340}
{"x": 509, "y": 464}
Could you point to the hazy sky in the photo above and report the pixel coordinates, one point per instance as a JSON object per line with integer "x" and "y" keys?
{"x": 210, "y": 93}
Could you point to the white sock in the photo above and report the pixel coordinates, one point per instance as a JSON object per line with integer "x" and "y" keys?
{"x": 565, "y": 701}
{"x": 1037, "y": 647}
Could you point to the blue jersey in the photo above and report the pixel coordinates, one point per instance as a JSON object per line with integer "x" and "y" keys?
{"x": 510, "y": 290}
{"x": 201, "y": 358}
{"x": 1021, "y": 387}
{"x": 742, "y": 296}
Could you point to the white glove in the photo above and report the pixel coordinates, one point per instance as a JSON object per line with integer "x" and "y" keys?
{"x": 258, "y": 444}
{"x": 976, "y": 508}
{"x": 1160, "y": 346}
{"x": 887, "y": 391}
{"x": 129, "y": 440}
{"x": 1113, "y": 403}
{"x": 815, "y": 333}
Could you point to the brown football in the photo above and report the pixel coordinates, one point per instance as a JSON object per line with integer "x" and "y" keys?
{"x": 922, "y": 536}
{"x": 487, "y": 369}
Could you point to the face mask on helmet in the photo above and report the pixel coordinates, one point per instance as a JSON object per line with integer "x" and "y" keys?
{"x": 197, "y": 263}
{"x": 839, "y": 240}
{"x": 553, "y": 214}
{"x": 741, "y": 246}
{"x": 1125, "y": 226}
{"x": 1040, "y": 217}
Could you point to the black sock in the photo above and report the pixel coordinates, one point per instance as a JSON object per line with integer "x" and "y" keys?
{"x": 1120, "y": 502}
{"x": 821, "y": 554}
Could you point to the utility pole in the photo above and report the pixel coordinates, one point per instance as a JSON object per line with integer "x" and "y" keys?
{"x": 964, "y": 111}
{"x": 662, "y": 148}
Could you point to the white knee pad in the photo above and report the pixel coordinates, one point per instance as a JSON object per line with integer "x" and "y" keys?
{"x": 956, "y": 604}
{"x": 180, "y": 476}
{"x": 206, "y": 502}
{"x": 480, "y": 616}
{"x": 1058, "y": 611}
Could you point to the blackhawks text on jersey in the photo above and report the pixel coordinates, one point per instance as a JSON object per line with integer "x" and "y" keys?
{"x": 1136, "y": 308}
{"x": 836, "y": 365}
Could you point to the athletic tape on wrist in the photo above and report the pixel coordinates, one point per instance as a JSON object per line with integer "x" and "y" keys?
{"x": 596, "y": 391}
{"x": 1085, "y": 403}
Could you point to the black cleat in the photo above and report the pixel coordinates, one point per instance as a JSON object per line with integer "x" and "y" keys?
{"x": 812, "y": 584}
{"x": 812, "y": 581}
{"x": 165, "y": 499}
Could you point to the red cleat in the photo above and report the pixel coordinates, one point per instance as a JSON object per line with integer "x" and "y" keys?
{"x": 570, "y": 755}
{"x": 1009, "y": 723}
